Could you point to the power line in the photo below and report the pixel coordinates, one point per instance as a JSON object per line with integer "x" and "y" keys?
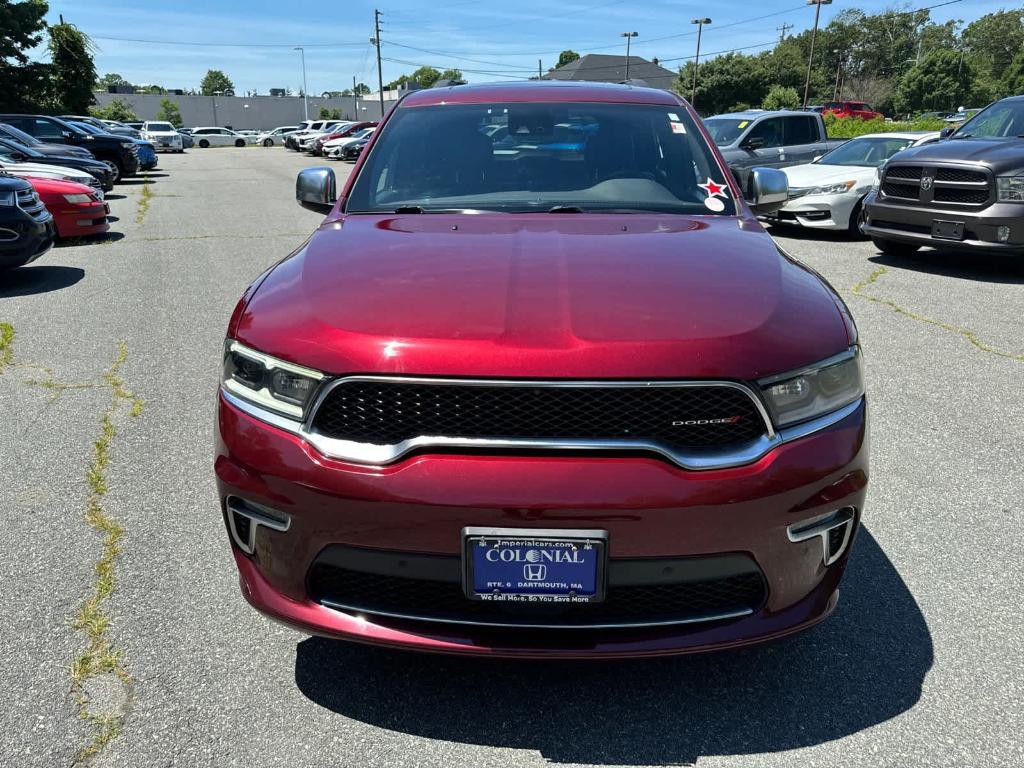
{"x": 223, "y": 45}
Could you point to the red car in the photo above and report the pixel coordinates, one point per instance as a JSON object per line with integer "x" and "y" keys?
{"x": 348, "y": 130}
{"x": 540, "y": 385}
{"x": 856, "y": 109}
{"x": 76, "y": 209}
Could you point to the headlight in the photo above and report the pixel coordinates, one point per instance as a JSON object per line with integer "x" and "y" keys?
{"x": 1010, "y": 189}
{"x": 6, "y": 198}
{"x": 833, "y": 189}
{"x": 815, "y": 390}
{"x": 77, "y": 198}
{"x": 877, "y": 182}
{"x": 266, "y": 381}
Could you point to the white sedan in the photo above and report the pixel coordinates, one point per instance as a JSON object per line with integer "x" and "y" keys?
{"x": 44, "y": 171}
{"x": 218, "y": 137}
{"x": 827, "y": 194}
{"x": 335, "y": 147}
{"x": 275, "y": 135}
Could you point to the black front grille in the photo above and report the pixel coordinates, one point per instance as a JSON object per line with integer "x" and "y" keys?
{"x": 960, "y": 195}
{"x": 892, "y": 189}
{"x": 912, "y": 172}
{"x": 388, "y": 412}
{"x": 724, "y": 591}
{"x": 960, "y": 175}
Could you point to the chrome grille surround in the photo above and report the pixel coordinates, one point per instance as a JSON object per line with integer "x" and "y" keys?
{"x": 970, "y": 187}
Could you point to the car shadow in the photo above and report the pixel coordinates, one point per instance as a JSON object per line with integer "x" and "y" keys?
{"x": 806, "y": 233}
{"x": 980, "y": 267}
{"x": 112, "y": 196}
{"x": 102, "y": 239}
{"x": 863, "y": 666}
{"x": 31, "y": 280}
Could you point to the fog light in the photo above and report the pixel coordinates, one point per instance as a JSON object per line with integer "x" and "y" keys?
{"x": 1003, "y": 233}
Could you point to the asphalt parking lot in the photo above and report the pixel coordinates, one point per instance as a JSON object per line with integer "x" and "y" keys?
{"x": 108, "y": 394}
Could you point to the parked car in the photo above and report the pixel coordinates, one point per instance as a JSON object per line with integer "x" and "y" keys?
{"x": 275, "y": 135}
{"x": 26, "y": 227}
{"x": 118, "y": 152}
{"x": 315, "y": 126}
{"x": 559, "y": 402}
{"x": 829, "y": 193}
{"x": 336, "y": 147}
{"x": 135, "y": 124}
{"x": 45, "y": 171}
{"x": 964, "y": 193}
{"x": 343, "y": 131}
{"x": 145, "y": 149}
{"x": 305, "y": 140}
{"x": 76, "y": 210}
{"x": 61, "y": 150}
{"x": 104, "y": 126}
{"x": 20, "y": 153}
{"x": 217, "y": 137}
{"x": 768, "y": 139}
{"x": 162, "y": 135}
{"x": 857, "y": 109}
{"x": 351, "y": 152}
{"x": 187, "y": 141}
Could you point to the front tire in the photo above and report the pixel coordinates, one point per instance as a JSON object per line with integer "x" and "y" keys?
{"x": 857, "y": 220}
{"x": 895, "y": 248}
{"x": 239, "y": 142}
{"x": 204, "y": 143}
{"x": 268, "y": 142}
{"x": 115, "y": 170}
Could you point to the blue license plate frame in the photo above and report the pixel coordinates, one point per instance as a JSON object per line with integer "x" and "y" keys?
{"x": 568, "y": 566}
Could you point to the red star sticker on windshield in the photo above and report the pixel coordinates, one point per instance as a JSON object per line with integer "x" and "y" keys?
{"x": 713, "y": 189}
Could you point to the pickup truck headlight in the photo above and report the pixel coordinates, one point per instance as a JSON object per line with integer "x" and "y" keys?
{"x": 1010, "y": 189}
{"x": 263, "y": 380}
{"x": 816, "y": 390}
{"x": 833, "y": 189}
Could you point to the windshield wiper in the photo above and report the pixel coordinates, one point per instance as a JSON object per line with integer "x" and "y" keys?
{"x": 961, "y": 135}
{"x": 409, "y": 209}
{"x": 566, "y": 209}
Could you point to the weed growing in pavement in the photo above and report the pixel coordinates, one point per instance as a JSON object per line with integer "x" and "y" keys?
{"x": 858, "y": 290}
{"x": 145, "y": 195}
{"x": 6, "y": 344}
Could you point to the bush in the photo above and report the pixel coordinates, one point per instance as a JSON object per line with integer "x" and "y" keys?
{"x": 118, "y": 109}
{"x": 169, "y": 111}
{"x": 851, "y": 127}
{"x": 781, "y": 97}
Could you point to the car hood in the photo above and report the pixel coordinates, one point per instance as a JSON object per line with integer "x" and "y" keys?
{"x": 48, "y": 170}
{"x": 995, "y": 153}
{"x": 544, "y": 296}
{"x": 62, "y": 149}
{"x": 812, "y": 175}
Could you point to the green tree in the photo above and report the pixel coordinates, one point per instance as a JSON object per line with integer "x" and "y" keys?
{"x": 781, "y": 97}
{"x": 169, "y": 111}
{"x": 323, "y": 114}
{"x": 22, "y": 25}
{"x": 566, "y": 57}
{"x": 118, "y": 109}
{"x": 1013, "y": 77}
{"x": 109, "y": 79}
{"x": 214, "y": 82}
{"x": 73, "y": 70}
{"x": 159, "y": 90}
{"x": 993, "y": 41}
{"x": 724, "y": 82}
{"x": 938, "y": 82}
{"x": 450, "y": 74}
{"x": 361, "y": 88}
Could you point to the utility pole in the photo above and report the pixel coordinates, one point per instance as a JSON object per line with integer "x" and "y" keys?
{"x": 305, "y": 90}
{"x": 839, "y": 67}
{"x": 355, "y": 99}
{"x": 696, "y": 59}
{"x": 629, "y": 36}
{"x": 540, "y": 70}
{"x": 810, "y": 59}
{"x": 380, "y": 74}
{"x": 783, "y": 30}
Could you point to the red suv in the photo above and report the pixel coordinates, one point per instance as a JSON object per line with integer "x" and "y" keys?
{"x": 541, "y": 385}
{"x": 856, "y": 109}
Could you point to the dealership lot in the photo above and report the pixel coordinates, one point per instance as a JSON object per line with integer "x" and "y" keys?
{"x": 920, "y": 665}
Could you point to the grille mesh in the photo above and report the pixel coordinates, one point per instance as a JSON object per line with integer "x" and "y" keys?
{"x": 957, "y": 195}
{"x": 912, "y": 172}
{"x": 387, "y": 413}
{"x": 959, "y": 174}
{"x": 441, "y": 601}
{"x": 900, "y": 190}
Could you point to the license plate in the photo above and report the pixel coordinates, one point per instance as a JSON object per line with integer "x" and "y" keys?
{"x": 947, "y": 230}
{"x": 516, "y": 565}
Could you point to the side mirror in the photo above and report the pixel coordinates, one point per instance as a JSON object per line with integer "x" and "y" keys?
{"x": 66, "y": 134}
{"x": 316, "y": 189}
{"x": 945, "y": 133}
{"x": 768, "y": 190}
{"x": 752, "y": 142}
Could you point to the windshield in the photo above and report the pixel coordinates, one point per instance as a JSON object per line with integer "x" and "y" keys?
{"x": 361, "y": 133}
{"x": 1000, "y": 121}
{"x": 725, "y": 130}
{"x": 9, "y": 145}
{"x": 866, "y": 153}
{"x": 24, "y": 138}
{"x": 86, "y": 127}
{"x": 159, "y": 127}
{"x": 572, "y": 156}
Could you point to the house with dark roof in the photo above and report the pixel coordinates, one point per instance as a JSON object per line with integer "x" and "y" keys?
{"x": 602, "y": 68}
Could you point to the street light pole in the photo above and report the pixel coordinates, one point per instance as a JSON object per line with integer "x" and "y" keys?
{"x": 839, "y": 67}
{"x": 696, "y": 61}
{"x": 810, "y": 59}
{"x": 355, "y": 100}
{"x": 629, "y": 36}
{"x": 305, "y": 90}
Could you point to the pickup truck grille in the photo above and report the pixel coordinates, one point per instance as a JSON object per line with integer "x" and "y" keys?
{"x": 673, "y": 415}
{"x": 937, "y": 187}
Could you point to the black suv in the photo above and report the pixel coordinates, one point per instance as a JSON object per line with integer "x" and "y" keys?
{"x": 26, "y": 227}
{"x": 964, "y": 193}
{"x": 119, "y": 152}
{"x": 23, "y": 154}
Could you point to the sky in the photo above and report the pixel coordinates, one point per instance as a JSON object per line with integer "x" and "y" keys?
{"x": 173, "y": 44}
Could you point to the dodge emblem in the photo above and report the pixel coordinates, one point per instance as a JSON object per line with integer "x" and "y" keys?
{"x": 926, "y": 182}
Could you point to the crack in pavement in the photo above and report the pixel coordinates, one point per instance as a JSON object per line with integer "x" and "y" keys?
{"x": 858, "y": 290}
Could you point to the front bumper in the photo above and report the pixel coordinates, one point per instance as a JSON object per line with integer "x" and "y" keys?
{"x": 31, "y": 239}
{"x": 817, "y": 212}
{"x": 81, "y": 220}
{"x": 913, "y": 224}
{"x": 649, "y": 508}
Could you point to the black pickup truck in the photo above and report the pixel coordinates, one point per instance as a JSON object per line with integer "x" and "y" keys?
{"x": 965, "y": 192}
{"x": 119, "y": 153}
{"x": 26, "y": 227}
